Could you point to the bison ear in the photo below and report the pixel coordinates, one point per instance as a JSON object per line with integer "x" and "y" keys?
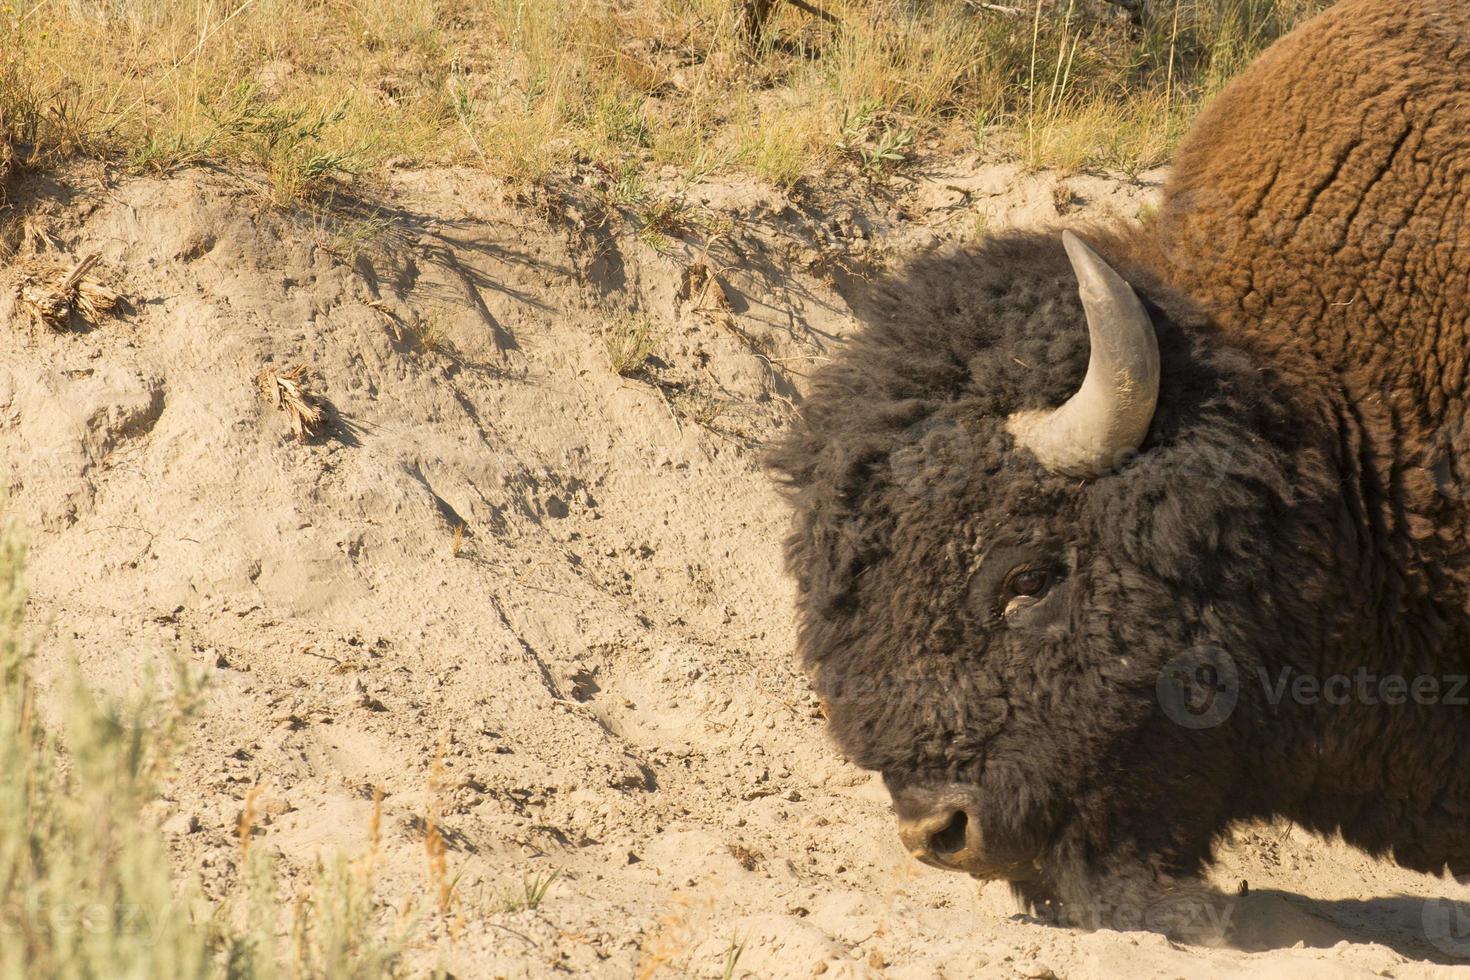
{"x": 1108, "y": 417}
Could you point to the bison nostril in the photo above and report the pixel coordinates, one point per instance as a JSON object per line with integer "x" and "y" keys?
{"x": 950, "y": 838}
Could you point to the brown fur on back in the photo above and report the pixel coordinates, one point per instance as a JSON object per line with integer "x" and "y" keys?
{"x": 1322, "y": 202}
{"x": 1320, "y": 212}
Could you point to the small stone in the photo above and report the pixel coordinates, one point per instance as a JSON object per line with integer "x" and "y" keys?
{"x": 181, "y": 824}
{"x": 274, "y": 805}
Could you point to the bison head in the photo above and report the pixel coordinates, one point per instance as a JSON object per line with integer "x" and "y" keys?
{"x": 1010, "y": 529}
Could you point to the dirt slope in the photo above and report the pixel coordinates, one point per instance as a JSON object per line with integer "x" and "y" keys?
{"x": 605, "y": 655}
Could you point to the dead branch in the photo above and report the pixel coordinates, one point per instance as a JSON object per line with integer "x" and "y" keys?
{"x": 754, "y": 14}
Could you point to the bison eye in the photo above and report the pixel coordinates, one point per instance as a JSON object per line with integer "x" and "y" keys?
{"x": 1028, "y": 582}
{"x": 1024, "y": 588}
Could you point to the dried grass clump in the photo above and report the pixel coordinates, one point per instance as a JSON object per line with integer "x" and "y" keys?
{"x": 705, "y": 290}
{"x": 52, "y": 300}
{"x": 35, "y": 235}
{"x": 630, "y": 343}
{"x": 291, "y": 392}
{"x": 7, "y": 136}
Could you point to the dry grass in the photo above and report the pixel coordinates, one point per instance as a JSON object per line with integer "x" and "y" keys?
{"x": 54, "y": 293}
{"x": 429, "y": 332}
{"x": 291, "y": 392}
{"x": 630, "y": 342}
{"x": 7, "y": 159}
{"x": 435, "y": 851}
{"x": 308, "y": 94}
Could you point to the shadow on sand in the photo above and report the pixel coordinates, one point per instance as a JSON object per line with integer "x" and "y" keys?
{"x": 1418, "y": 927}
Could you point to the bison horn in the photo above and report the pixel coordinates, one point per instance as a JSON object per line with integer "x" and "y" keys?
{"x": 1109, "y": 415}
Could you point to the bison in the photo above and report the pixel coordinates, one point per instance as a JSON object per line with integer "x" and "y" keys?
{"x": 1085, "y": 598}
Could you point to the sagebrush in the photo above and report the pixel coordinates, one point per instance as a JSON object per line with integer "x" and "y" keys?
{"x": 86, "y": 888}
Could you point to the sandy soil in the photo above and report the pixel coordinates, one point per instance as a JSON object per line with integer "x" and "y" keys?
{"x": 605, "y": 655}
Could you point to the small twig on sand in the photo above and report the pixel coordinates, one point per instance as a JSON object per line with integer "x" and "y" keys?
{"x": 995, "y": 8}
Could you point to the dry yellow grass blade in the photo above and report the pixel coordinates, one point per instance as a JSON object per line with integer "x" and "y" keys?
{"x": 290, "y": 391}
{"x": 52, "y": 301}
{"x": 35, "y": 236}
{"x": 95, "y": 300}
{"x": 7, "y": 157}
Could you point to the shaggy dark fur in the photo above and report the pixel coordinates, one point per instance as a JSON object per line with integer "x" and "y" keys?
{"x": 1298, "y": 503}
